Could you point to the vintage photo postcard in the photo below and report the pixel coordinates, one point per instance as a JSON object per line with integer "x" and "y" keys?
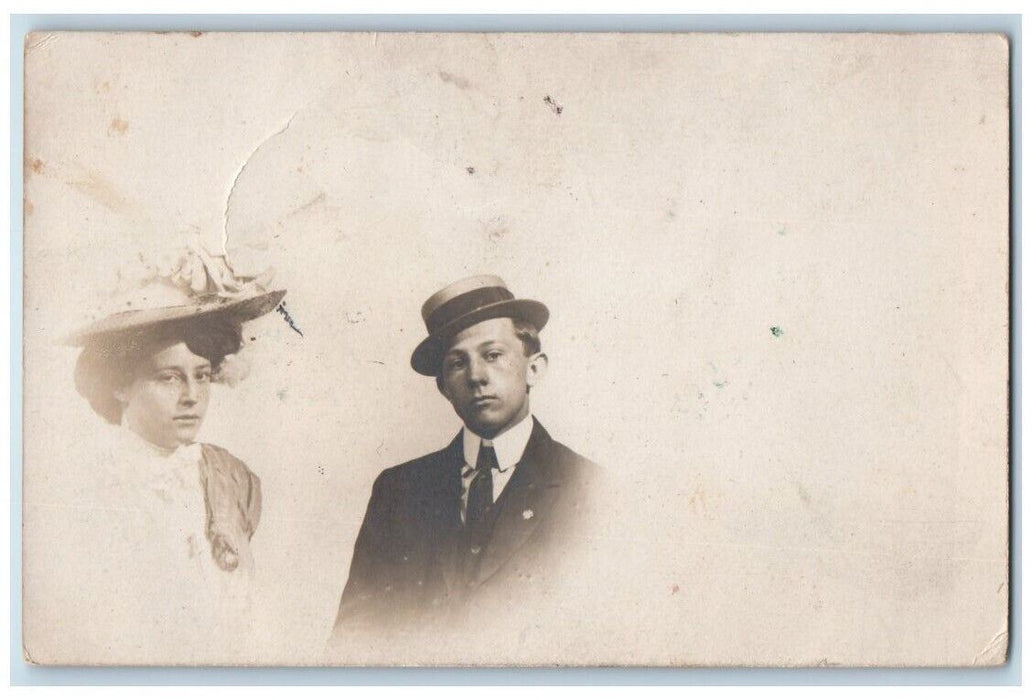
{"x": 516, "y": 349}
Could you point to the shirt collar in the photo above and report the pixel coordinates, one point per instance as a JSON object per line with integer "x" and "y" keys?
{"x": 509, "y": 446}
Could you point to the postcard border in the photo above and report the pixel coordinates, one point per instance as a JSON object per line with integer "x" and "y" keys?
{"x": 27, "y": 674}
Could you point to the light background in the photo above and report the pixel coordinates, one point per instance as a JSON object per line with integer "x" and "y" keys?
{"x": 821, "y": 493}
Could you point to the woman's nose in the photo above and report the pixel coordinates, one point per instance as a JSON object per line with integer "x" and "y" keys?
{"x": 191, "y": 392}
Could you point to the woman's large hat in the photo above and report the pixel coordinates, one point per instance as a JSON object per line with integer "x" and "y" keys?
{"x": 462, "y": 304}
{"x": 199, "y": 286}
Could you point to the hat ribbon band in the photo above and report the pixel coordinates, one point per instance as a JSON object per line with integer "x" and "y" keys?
{"x": 465, "y": 303}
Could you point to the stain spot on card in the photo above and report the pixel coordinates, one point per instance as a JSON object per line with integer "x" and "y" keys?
{"x": 456, "y": 80}
{"x": 776, "y": 331}
{"x": 697, "y": 500}
{"x": 553, "y": 105}
{"x": 100, "y": 191}
{"x": 496, "y": 229}
{"x": 282, "y": 309}
{"x": 118, "y": 127}
{"x": 313, "y": 202}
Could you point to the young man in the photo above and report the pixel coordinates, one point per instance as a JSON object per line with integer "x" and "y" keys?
{"x": 485, "y": 521}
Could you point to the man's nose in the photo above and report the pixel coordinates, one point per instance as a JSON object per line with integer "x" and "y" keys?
{"x": 477, "y": 372}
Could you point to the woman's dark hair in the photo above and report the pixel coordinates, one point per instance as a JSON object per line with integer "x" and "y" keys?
{"x": 110, "y": 362}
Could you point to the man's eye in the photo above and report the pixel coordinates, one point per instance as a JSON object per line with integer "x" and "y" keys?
{"x": 454, "y": 364}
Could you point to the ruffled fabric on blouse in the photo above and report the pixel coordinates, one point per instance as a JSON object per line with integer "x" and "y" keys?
{"x": 146, "y": 556}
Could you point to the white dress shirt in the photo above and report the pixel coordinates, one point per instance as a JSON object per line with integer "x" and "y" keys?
{"x": 508, "y": 446}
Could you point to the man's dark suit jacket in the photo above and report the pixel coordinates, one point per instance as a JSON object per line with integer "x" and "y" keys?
{"x": 412, "y": 564}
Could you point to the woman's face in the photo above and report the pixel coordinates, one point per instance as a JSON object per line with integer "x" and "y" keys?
{"x": 167, "y": 398}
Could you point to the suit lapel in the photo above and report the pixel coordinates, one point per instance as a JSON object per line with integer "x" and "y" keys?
{"x": 444, "y": 487}
{"x": 524, "y": 504}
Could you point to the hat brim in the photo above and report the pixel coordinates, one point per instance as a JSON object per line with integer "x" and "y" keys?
{"x": 426, "y": 359}
{"x": 244, "y": 309}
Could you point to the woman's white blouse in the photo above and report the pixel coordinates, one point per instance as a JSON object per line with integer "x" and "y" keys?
{"x": 132, "y": 575}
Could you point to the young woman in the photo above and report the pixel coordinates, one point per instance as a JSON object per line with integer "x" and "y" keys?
{"x": 155, "y": 529}
{"x": 154, "y": 381}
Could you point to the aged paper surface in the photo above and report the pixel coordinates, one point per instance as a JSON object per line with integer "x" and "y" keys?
{"x": 777, "y": 274}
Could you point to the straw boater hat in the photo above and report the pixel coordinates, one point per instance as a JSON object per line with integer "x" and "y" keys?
{"x": 462, "y": 304}
{"x": 199, "y": 288}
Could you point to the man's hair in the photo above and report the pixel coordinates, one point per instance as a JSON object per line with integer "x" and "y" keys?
{"x": 527, "y": 333}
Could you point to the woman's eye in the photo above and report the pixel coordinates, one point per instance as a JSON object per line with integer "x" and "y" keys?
{"x": 168, "y": 378}
{"x": 494, "y": 355}
{"x": 203, "y": 376}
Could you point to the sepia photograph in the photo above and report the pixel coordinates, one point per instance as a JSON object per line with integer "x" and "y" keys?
{"x": 515, "y": 349}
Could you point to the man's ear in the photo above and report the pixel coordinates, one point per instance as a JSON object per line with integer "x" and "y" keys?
{"x": 440, "y": 386}
{"x": 537, "y": 368}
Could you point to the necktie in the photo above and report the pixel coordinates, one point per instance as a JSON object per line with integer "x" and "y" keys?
{"x": 478, "y": 505}
{"x": 481, "y": 489}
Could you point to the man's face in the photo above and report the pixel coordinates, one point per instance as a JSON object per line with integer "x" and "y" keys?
{"x": 168, "y": 396}
{"x": 486, "y": 376}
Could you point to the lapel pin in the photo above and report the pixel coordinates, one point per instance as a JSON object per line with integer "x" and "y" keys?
{"x": 528, "y": 514}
